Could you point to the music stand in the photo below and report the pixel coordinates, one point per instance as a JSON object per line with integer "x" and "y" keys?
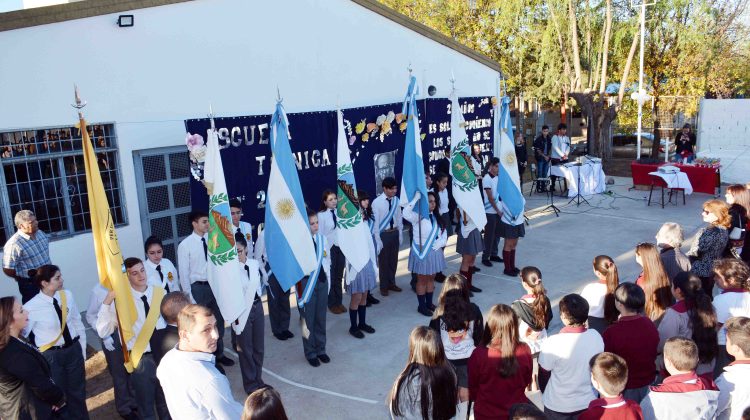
{"x": 551, "y": 205}
{"x": 578, "y": 197}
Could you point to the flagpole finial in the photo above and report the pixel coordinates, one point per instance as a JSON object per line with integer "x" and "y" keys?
{"x": 211, "y": 115}
{"x": 279, "y": 99}
{"x": 79, "y": 103}
{"x": 453, "y": 80}
{"x": 408, "y": 68}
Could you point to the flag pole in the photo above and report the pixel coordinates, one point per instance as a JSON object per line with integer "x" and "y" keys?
{"x": 416, "y": 117}
{"x": 79, "y": 106}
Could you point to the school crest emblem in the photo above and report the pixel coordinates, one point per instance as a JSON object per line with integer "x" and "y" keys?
{"x": 220, "y": 233}
{"x": 462, "y": 168}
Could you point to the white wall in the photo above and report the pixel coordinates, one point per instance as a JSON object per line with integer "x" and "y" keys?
{"x": 231, "y": 53}
{"x": 724, "y": 132}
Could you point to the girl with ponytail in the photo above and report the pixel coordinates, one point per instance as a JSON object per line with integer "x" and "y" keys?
{"x": 692, "y": 317}
{"x": 601, "y": 294}
{"x": 533, "y": 309}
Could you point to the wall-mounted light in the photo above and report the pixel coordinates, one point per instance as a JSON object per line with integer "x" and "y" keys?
{"x": 125, "y": 21}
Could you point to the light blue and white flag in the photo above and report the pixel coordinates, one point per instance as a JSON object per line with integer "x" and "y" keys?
{"x": 290, "y": 248}
{"x": 412, "y": 177}
{"x": 351, "y": 230}
{"x": 465, "y": 184}
{"x": 508, "y": 182}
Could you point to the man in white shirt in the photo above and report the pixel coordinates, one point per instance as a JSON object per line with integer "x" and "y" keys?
{"x": 146, "y": 299}
{"x": 560, "y": 150}
{"x": 192, "y": 385}
{"x": 112, "y": 349}
{"x": 192, "y": 258}
{"x": 389, "y": 223}
{"x": 241, "y": 228}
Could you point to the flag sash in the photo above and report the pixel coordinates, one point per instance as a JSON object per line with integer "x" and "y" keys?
{"x": 389, "y": 216}
{"x": 312, "y": 280}
{"x": 427, "y": 247}
{"x": 64, "y": 302}
{"x": 147, "y": 330}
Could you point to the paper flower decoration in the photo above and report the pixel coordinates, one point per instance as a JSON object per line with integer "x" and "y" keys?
{"x": 360, "y": 127}
{"x": 371, "y": 127}
{"x": 365, "y": 137}
{"x": 402, "y": 126}
{"x": 352, "y": 139}
{"x": 380, "y": 120}
{"x": 193, "y": 141}
{"x": 494, "y": 101}
{"x": 400, "y": 117}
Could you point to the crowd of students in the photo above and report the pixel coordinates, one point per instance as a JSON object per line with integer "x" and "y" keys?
{"x": 619, "y": 340}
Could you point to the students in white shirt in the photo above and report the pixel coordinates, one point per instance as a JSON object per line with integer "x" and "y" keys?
{"x": 566, "y": 357}
{"x": 389, "y": 225}
{"x": 327, "y": 227}
{"x": 64, "y": 348}
{"x": 143, "y": 377}
{"x": 731, "y": 277}
{"x": 600, "y": 294}
{"x": 192, "y": 258}
{"x": 159, "y": 270}
{"x": 250, "y": 325}
{"x": 734, "y": 383}
{"x": 241, "y": 228}
{"x": 124, "y": 399}
{"x": 560, "y": 150}
{"x": 193, "y": 387}
{"x": 492, "y": 208}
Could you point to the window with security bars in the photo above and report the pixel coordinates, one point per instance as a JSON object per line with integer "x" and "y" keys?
{"x": 43, "y": 171}
{"x": 163, "y": 180}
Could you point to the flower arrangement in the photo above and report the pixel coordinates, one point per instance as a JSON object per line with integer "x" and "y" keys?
{"x": 197, "y": 151}
{"x": 707, "y": 162}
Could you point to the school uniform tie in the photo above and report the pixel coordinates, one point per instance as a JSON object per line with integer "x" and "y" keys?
{"x": 146, "y": 308}
{"x": 390, "y": 206}
{"x": 205, "y": 248}
{"x": 66, "y": 333}
{"x": 333, "y": 214}
{"x": 161, "y": 277}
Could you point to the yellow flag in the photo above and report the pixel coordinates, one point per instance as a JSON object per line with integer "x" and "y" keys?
{"x": 109, "y": 261}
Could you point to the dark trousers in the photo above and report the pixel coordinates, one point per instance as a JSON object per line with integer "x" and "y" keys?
{"x": 145, "y": 384}
{"x": 448, "y": 220}
{"x": 161, "y": 403}
{"x": 124, "y": 394}
{"x": 556, "y": 415}
{"x": 491, "y": 236}
{"x": 27, "y": 289}
{"x": 68, "y": 371}
{"x": 314, "y": 319}
{"x": 251, "y": 346}
{"x": 279, "y": 310}
{"x": 204, "y": 296}
{"x": 338, "y": 261}
{"x": 388, "y": 258}
{"x": 542, "y": 168}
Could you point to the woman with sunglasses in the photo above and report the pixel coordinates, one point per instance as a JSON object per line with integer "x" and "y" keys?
{"x": 710, "y": 242}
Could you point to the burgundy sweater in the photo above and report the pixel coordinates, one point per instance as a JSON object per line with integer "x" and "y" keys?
{"x": 635, "y": 339}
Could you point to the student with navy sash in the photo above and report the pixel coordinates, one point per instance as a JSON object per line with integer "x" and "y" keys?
{"x": 389, "y": 224}
{"x": 369, "y": 218}
{"x": 279, "y": 309}
{"x": 327, "y": 227}
{"x": 60, "y": 336}
{"x": 159, "y": 270}
{"x": 426, "y": 253}
{"x": 250, "y": 326}
{"x": 312, "y": 298}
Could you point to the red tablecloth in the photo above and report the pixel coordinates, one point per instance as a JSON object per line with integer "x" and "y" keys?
{"x": 704, "y": 180}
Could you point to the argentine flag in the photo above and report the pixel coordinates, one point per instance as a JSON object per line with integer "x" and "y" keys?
{"x": 508, "y": 182}
{"x": 412, "y": 178}
{"x": 289, "y": 245}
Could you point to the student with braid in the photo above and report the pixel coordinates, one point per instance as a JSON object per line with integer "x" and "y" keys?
{"x": 533, "y": 310}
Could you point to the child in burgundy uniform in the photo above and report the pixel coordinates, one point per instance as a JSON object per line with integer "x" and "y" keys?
{"x": 633, "y": 337}
{"x": 609, "y": 374}
{"x": 500, "y": 369}
{"x": 683, "y": 395}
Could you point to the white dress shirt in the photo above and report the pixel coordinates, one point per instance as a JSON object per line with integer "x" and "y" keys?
{"x": 194, "y": 389}
{"x": 421, "y": 236}
{"x": 252, "y": 288}
{"x": 106, "y": 322}
{"x": 380, "y": 212}
{"x": 246, "y": 229}
{"x": 560, "y": 146}
{"x": 98, "y": 294}
{"x": 192, "y": 261}
{"x": 489, "y": 182}
{"x": 468, "y": 227}
{"x": 443, "y": 201}
{"x": 45, "y": 324}
{"x": 171, "y": 278}
{"x": 326, "y": 227}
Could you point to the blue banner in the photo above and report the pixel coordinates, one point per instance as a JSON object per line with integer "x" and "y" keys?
{"x": 375, "y": 135}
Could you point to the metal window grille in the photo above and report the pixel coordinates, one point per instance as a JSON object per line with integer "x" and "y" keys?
{"x": 43, "y": 171}
{"x": 163, "y": 180}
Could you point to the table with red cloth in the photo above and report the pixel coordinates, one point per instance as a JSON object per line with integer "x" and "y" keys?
{"x": 703, "y": 179}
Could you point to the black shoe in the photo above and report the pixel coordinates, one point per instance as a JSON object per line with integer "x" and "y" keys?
{"x": 324, "y": 358}
{"x": 367, "y": 328}
{"x": 368, "y": 304}
{"x": 355, "y": 332}
{"x": 431, "y": 307}
{"x": 424, "y": 311}
{"x": 371, "y": 299}
{"x": 475, "y": 269}
{"x": 512, "y": 272}
{"x": 471, "y": 294}
{"x": 131, "y": 416}
{"x": 495, "y": 258}
{"x": 486, "y": 263}
{"x": 313, "y": 362}
{"x": 287, "y": 334}
{"x": 224, "y": 360}
{"x": 439, "y": 277}
{"x": 475, "y": 289}
{"x": 281, "y": 336}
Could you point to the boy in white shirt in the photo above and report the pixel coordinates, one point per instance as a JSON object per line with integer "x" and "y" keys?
{"x": 734, "y": 383}
{"x": 560, "y": 150}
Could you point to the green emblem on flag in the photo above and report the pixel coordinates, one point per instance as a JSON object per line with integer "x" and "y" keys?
{"x": 462, "y": 168}
{"x": 347, "y": 210}
{"x": 220, "y": 240}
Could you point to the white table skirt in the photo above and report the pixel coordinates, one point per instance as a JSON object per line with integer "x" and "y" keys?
{"x": 675, "y": 180}
{"x": 593, "y": 180}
